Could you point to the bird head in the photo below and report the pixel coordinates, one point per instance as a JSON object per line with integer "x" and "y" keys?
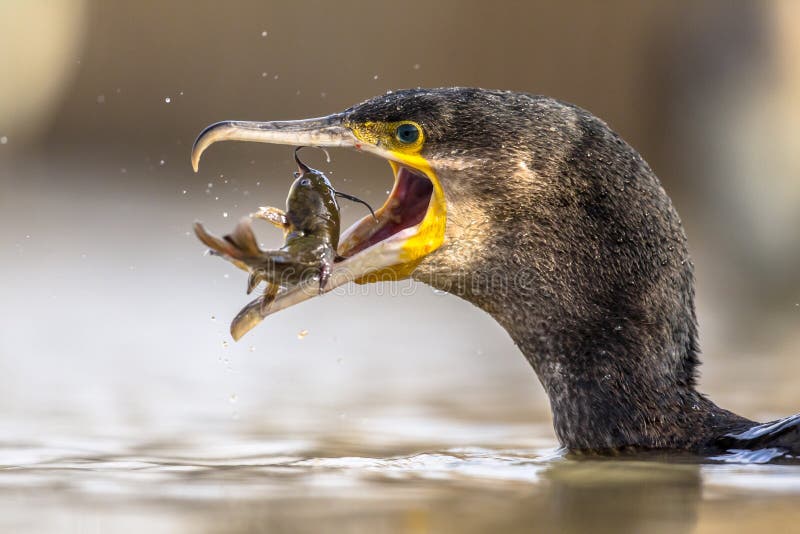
{"x": 507, "y": 199}
{"x": 442, "y": 146}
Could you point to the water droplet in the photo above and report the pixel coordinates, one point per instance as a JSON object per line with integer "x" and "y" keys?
{"x": 264, "y": 33}
{"x": 233, "y": 398}
{"x": 180, "y": 94}
{"x": 375, "y": 77}
{"x": 168, "y": 100}
{"x": 275, "y": 77}
{"x": 161, "y": 162}
{"x": 302, "y": 333}
{"x": 416, "y": 66}
{"x": 226, "y": 276}
{"x": 210, "y": 185}
{"x": 224, "y": 344}
{"x": 251, "y": 348}
{"x": 3, "y": 140}
{"x": 224, "y": 213}
{"x": 263, "y": 74}
{"x": 101, "y": 99}
{"x": 183, "y": 192}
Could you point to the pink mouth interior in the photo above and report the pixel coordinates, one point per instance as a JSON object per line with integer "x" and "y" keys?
{"x": 405, "y": 207}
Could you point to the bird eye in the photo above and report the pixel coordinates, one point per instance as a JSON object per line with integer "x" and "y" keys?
{"x": 407, "y": 133}
{"x": 305, "y": 182}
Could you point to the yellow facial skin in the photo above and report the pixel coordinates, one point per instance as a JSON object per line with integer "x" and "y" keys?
{"x": 383, "y": 135}
{"x": 381, "y": 138}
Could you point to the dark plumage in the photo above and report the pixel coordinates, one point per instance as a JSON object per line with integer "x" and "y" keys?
{"x": 562, "y": 232}
{"x": 585, "y": 264}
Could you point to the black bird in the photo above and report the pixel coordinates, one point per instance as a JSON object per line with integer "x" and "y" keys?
{"x": 537, "y": 212}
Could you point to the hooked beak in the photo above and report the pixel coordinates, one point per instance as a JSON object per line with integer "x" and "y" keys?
{"x": 387, "y": 246}
{"x": 324, "y": 132}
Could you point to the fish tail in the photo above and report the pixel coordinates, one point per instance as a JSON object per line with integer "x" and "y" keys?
{"x": 239, "y": 247}
{"x": 244, "y": 239}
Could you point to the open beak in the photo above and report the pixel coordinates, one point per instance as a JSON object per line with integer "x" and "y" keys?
{"x": 409, "y": 226}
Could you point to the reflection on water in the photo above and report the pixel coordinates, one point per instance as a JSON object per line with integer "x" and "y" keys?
{"x": 339, "y": 483}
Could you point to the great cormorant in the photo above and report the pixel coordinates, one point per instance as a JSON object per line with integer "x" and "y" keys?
{"x": 537, "y": 212}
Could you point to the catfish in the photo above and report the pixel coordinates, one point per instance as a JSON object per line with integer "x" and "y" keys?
{"x": 311, "y": 226}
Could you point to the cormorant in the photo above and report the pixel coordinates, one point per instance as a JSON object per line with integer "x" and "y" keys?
{"x": 537, "y": 212}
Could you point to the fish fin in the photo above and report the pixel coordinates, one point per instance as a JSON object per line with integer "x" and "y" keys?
{"x": 239, "y": 247}
{"x": 272, "y": 215}
{"x": 244, "y": 239}
{"x": 218, "y": 246}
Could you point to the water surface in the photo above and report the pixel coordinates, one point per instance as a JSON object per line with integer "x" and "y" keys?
{"x": 376, "y": 477}
{"x": 125, "y": 406}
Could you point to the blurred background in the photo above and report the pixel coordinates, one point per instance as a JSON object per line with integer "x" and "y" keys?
{"x": 114, "y": 324}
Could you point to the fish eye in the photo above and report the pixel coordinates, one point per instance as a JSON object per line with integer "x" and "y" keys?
{"x": 407, "y": 133}
{"x": 305, "y": 182}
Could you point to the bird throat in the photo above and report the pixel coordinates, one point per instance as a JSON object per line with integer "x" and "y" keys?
{"x": 605, "y": 319}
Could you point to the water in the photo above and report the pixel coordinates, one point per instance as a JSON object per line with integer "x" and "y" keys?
{"x": 377, "y": 481}
{"x": 116, "y": 390}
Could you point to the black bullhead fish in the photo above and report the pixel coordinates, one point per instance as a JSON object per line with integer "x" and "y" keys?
{"x": 311, "y": 227}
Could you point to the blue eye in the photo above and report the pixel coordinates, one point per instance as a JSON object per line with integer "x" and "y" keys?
{"x": 407, "y": 133}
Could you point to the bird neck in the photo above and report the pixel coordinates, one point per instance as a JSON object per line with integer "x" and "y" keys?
{"x": 586, "y": 266}
{"x": 613, "y": 382}
{"x": 610, "y": 390}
